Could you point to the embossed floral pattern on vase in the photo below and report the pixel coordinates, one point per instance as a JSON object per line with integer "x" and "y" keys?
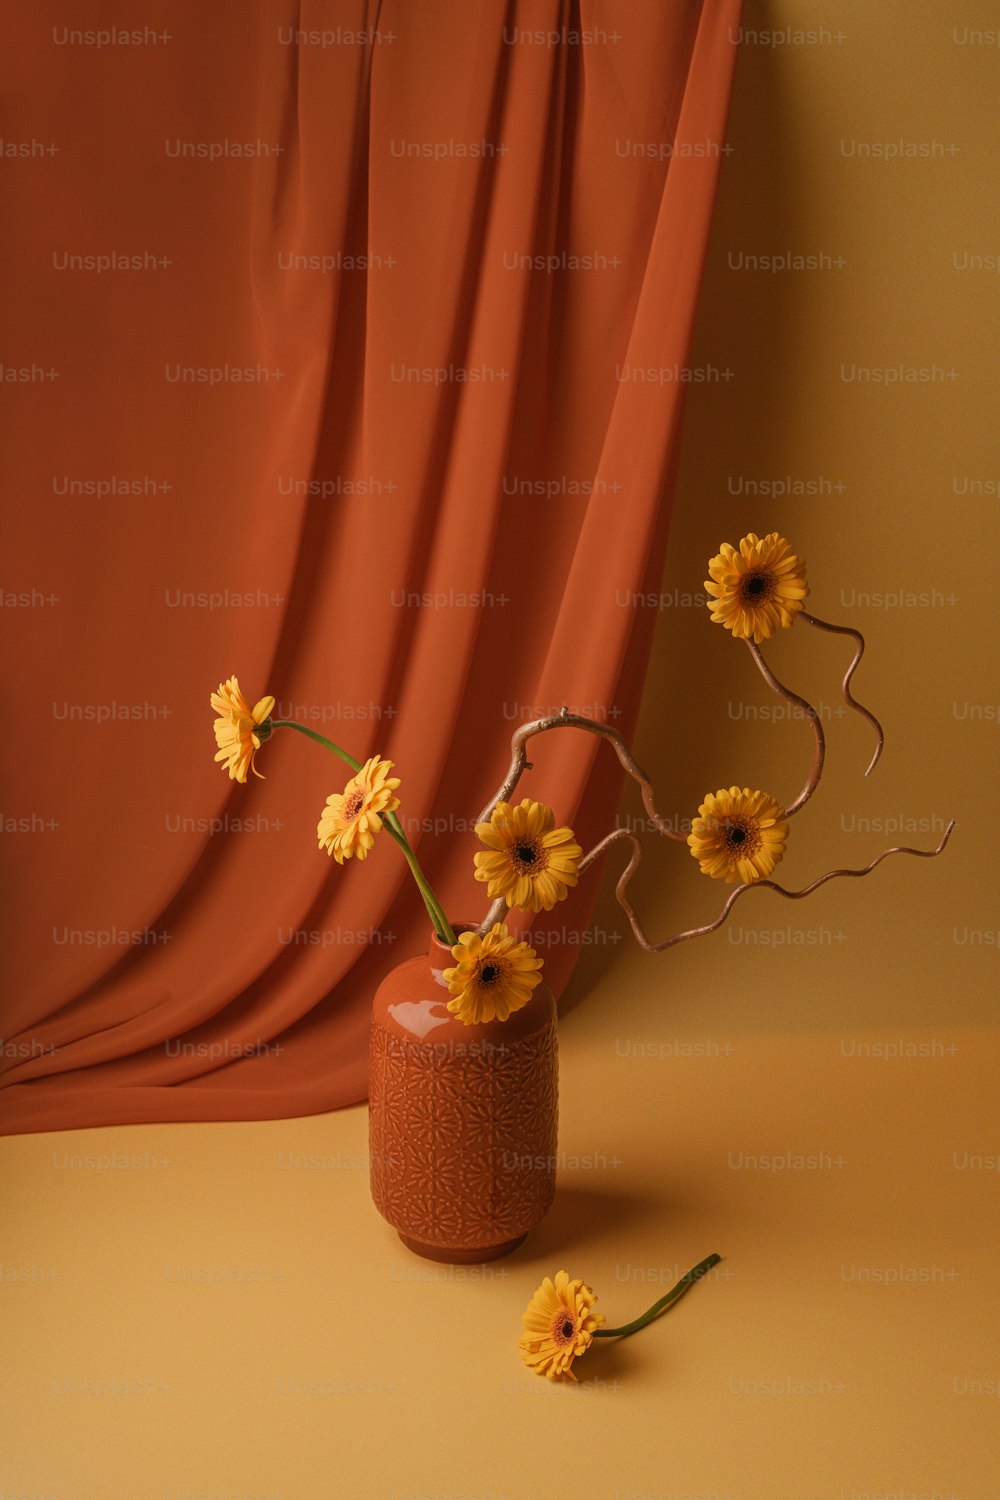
{"x": 463, "y": 1121}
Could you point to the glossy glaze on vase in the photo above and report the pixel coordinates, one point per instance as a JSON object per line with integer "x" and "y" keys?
{"x": 462, "y": 1119}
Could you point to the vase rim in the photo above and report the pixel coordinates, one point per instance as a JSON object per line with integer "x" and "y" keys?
{"x": 440, "y": 945}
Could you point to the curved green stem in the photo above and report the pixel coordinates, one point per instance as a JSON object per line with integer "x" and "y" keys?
{"x": 674, "y": 1295}
{"x": 320, "y": 739}
{"x": 442, "y": 926}
{"x": 435, "y": 910}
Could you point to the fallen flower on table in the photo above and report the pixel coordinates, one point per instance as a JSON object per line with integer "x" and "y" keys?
{"x": 560, "y": 1325}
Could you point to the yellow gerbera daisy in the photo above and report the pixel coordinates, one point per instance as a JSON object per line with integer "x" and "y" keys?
{"x": 758, "y": 589}
{"x": 493, "y": 975}
{"x": 351, "y": 818}
{"x": 527, "y": 861}
{"x": 558, "y": 1326}
{"x": 738, "y": 835}
{"x": 236, "y": 729}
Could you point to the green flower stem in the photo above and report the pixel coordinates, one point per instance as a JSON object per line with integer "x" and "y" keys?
{"x": 442, "y": 926}
{"x": 435, "y": 910}
{"x": 674, "y": 1295}
{"x": 320, "y": 739}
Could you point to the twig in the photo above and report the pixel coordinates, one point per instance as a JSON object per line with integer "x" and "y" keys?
{"x": 519, "y": 764}
{"x": 740, "y": 890}
{"x": 819, "y": 741}
{"x": 845, "y": 686}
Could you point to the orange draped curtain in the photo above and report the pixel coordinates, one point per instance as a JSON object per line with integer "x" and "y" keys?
{"x": 344, "y": 350}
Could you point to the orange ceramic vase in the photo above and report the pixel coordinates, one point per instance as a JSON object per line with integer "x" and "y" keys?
{"x": 462, "y": 1119}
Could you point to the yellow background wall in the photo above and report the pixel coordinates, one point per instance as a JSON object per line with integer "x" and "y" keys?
{"x": 895, "y": 493}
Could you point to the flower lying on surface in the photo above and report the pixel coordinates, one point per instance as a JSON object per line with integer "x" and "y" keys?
{"x": 527, "y": 860}
{"x": 351, "y": 818}
{"x": 738, "y": 835}
{"x": 758, "y": 589}
{"x": 558, "y": 1326}
{"x": 237, "y": 729}
{"x": 493, "y": 975}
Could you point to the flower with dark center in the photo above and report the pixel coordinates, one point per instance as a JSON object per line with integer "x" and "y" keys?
{"x": 492, "y": 977}
{"x": 758, "y": 588}
{"x": 527, "y": 860}
{"x": 738, "y": 835}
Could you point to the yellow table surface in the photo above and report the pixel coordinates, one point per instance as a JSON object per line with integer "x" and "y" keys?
{"x": 218, "y": 1310}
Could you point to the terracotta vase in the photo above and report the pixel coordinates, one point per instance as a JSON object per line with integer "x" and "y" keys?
{"x": 462, "y": 1119}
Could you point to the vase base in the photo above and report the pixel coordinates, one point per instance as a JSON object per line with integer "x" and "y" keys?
{"x": 460, "y": 1256}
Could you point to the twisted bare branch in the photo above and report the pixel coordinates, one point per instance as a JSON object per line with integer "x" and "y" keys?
{"x": 740, "y": 890}
{"x": 845, "y": 686}
{"x": 520, "y": 763}
{"x": 819, "y": 740}
{"x": 496, "y": 913}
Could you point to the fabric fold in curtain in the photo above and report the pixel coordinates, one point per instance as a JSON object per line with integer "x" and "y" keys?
{"x": 376, "y": 406}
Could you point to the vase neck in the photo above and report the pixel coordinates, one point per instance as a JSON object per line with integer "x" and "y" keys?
{"x": 439, "y": 954}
